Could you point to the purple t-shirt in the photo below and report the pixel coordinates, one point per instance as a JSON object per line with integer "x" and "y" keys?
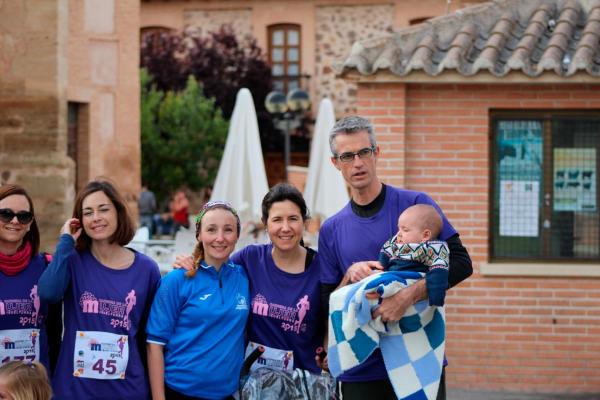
{"x": 285, "y": 308}
{"x": 346, "y": 238}
{"x": 103, "y": 310}
{"x": 22, "y": 315}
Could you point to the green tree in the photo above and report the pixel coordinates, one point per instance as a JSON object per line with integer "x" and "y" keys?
{"x": 183, "y": 135}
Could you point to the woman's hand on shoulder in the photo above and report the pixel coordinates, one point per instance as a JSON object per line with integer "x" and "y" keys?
{"x": 72, "y": 227}
{"x": 183, "y": 261}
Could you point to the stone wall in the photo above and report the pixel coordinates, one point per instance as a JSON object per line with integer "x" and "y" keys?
{"x": 33, "y": 108}
{"x": 336, "y": 29}
{"x": 57, "y": 51}
{"x": 211, "y": 20}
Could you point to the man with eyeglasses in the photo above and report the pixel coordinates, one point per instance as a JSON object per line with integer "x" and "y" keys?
{"x": 350, "y": 241}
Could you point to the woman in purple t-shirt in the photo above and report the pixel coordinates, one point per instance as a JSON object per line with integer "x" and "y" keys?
{"x": 107, "y": 290}
{"x": 22, "y": 314}
{"x": 284, "y": 286}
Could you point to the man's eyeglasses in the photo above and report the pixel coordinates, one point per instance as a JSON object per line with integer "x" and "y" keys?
{"x": 7, "y": 215}
{"x": 367, "y": 152}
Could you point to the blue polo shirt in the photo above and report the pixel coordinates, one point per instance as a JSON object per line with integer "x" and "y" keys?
{"x": 201, "y": 322}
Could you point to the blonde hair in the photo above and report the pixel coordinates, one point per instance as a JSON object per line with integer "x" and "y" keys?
{"x": 26, "y": 380}
{"x": 198, "y": 256}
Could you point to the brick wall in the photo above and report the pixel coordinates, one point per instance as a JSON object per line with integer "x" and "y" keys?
{"x": 276, "y": 165}
{"x": 505, "y": 333}
{"x": 103, "y": 65}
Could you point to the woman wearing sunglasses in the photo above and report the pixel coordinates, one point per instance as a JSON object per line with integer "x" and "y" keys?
{"x": 107, "y": 291}
{"x": 22, "y": 314}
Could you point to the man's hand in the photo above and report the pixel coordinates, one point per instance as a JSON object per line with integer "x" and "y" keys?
{"x": 362, "y": 269}
{"x": 394, "y": 307}
{"x": 322, "y": 363}
{"x": 183, "y": 261}
{"x": 321, "y": 358}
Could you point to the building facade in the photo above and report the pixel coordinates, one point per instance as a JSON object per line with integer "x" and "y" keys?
{"x": 69, "y": 100}
{"x": 495, "y": 112}
{"x": 303, "y": 40}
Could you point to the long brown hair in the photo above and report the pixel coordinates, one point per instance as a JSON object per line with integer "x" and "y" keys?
{"x": 198, "y": 254}
{"x": 125, "y": 227}
{"x": 33, "y": 236}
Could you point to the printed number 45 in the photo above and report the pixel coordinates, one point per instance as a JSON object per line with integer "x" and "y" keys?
{"x": 110, "y": 367}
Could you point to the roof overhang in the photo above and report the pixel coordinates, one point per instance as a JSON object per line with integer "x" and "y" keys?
{"x": 383, "y": 76}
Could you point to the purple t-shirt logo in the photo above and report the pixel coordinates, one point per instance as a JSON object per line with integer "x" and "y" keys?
{"x": 292, "y": 317}
{"x": 29, "y": 309}
{"x": 117, "y": 310}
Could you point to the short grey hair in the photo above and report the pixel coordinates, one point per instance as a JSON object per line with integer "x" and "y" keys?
{"x": 349, "y": 125}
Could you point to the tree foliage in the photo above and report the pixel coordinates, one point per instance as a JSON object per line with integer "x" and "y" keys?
{"x": 221, "y": 62}
{"x": 183, "y": 134}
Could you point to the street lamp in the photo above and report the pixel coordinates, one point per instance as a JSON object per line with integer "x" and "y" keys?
{"x": 287, "y": 112}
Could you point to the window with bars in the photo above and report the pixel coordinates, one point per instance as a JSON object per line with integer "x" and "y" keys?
{"x": 545, "y": 180}
{"x": 284, "y": 56}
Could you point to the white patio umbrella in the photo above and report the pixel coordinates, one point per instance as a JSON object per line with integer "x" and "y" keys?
{"x": 241, "y": 179}
{"x": 325, "y": 191}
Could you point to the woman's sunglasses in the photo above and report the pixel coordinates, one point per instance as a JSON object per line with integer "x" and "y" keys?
{"x": 7, "y": 215}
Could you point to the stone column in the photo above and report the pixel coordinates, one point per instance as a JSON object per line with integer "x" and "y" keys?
{"x": 33, "y": 121}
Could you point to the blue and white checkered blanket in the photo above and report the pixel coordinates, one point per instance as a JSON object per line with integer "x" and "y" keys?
{"x": 412, "y": 348}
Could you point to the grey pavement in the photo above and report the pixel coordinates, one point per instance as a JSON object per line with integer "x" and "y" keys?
{"x": 454, "y": 394}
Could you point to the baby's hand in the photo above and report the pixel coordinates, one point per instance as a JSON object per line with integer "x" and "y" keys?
{"x": 362, "y": 269}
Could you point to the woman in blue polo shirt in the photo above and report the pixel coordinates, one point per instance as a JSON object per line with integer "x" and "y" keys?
{"x": 197, "y": 321}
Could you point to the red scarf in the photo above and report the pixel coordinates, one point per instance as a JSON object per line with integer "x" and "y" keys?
{"x": 12, "y": 265}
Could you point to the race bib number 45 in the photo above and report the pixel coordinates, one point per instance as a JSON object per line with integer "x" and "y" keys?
{"x": 100, "y": 355}
{"x": 19, "y": 344}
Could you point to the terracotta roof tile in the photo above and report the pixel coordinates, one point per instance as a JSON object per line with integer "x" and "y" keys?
{"x": 460, "y": 47}
{"x": 533, "y": 37}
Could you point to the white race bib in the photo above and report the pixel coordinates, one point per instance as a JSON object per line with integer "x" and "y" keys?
{"x": 19, "y": 344}
{"x": 100, "y": 355}
{"x": 282, "y": 360}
